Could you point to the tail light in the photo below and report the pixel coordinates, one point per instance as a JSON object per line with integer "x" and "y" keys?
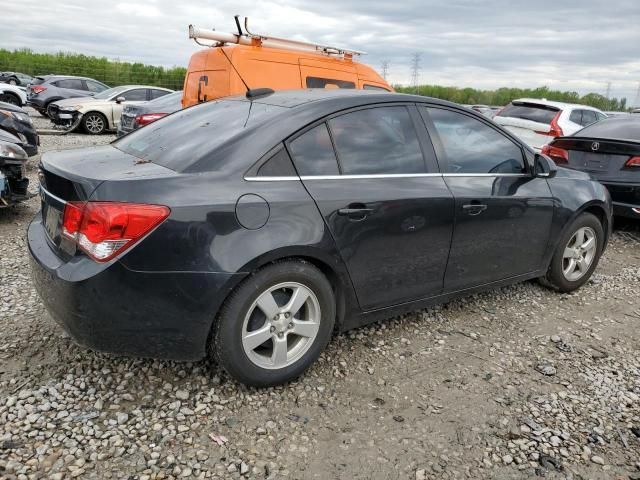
{"x": 148, "y": 118}
{"x": 555, "y": 130}
{"x": 633, "y": 162}
{"x": 38, "y": 89}
{"x": 558, "y": 155}
{"x": 104, "y": 230}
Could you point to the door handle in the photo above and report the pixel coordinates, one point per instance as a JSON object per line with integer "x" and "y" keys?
{"x": 474, "y": 208}
{"x": 355, "y": 211}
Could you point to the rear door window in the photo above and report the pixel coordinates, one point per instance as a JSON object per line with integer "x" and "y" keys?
{"x": 588, "y": 117}
{"x": 313, "y": 152}
{"x": 379, "y": 140}
{"x": 576, "y": 117}
{"x": 71, "y": 83}
{"x": 317, "y": 82}
{"x": 471, "y": 146}
{"x": 530, "y": 111}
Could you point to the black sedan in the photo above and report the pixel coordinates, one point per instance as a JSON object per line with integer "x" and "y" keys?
{"x": 136, "y": 116}
{"x": 252, "y": 228}
{"x": 610, "y": 152}
{"x": 17, "y": 122}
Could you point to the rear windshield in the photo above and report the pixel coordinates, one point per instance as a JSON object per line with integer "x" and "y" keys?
{"x": 530, "y": 111}
{"x": 189, "y": 135}
{"x": 621, "y": 128}
{"x": 37, "y": 80}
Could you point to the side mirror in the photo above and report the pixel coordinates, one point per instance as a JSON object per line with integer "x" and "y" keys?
{"x": 120, "y": 99}
{"x": 544, "y": 167}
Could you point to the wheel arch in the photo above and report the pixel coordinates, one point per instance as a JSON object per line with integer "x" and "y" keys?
{"x": 14, "y": 95}
{"x": 330, "y": 267}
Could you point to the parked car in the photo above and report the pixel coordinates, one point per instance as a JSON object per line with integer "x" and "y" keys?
{"x": 13, "y": 94}
{"x": 538, "y": 122}
{"x": 136, "y": 116}
{"x": 13, "y": 177}
{"x": 102, "y": 112}
{"x": 249, "y": 60}
{"x": 17, "y": 122}
{"x": 15, "y": 78}
{"x": 616, "y": 114}
{"x": 483, "y": 109}
{"x": 47, "y": 89}
{"x": 635, "y": 110}
{"x": 234, "y": 225}
{"x": 610, "y": 152}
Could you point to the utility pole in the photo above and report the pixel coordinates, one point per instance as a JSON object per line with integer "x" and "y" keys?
{"x": 385, "y": 69}
{"x": 608, "y": 94}
{"x": 415, "y": 68}
{"x": 636, "y": 102}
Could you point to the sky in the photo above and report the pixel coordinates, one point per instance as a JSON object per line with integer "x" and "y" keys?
{"x": 580, "y": 45}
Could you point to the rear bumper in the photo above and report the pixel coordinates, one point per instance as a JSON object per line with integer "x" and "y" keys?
{"x": 113, "y": 309}
{"x": 625, "y": 198}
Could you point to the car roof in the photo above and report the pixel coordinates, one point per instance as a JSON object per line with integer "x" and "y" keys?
{"x": 550, "y": 103}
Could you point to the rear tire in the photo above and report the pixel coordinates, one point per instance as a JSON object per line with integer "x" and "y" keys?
{"x": 94, "y": 123}
{"x": 275, "y": 324}
{"x": 577, "y": 254}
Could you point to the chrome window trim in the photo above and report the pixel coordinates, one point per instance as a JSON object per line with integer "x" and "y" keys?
{"x": 381, "y": 175}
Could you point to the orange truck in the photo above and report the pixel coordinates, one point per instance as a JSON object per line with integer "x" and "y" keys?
{"x": 236, "y": 63}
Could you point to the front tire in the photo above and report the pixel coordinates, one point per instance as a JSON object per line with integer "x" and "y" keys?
{"x": 577, "y": 254}
{"x": 94, "y": 123}
{"x": 275, "y": 324}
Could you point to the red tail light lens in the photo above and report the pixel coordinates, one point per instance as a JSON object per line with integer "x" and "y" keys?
{"x": 148, "y": 118}
{"x": 38, "y": 89}
{"x": 555, "y": 130}
{"x": 104, "y": 230}
{"x": 633, "y": 162}
{"x": 558, "y": 155}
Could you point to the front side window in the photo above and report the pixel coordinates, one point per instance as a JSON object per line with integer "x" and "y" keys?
{"x": 137, "y": 95}
{"x": 377, "y": 141}
{"x": 317, "y": 82}
{"x": 472, "y": 146}
{"x": 313, "y": 152}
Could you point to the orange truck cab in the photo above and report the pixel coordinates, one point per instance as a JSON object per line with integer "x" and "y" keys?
{"x": 222, "y": 70}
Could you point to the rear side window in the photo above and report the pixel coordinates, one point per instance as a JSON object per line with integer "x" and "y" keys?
{"x": 472, "y": 146}
{"x": 576, "y": 117}
{"x": 529, "y": 111}
{"x": 155, "y": 93}
{"x": 377, "y": 141}
{"x": 279, "y": 165}
{"x": 588, "y": 117}
{"x": 71, "y": 83}
{"x": 317, "y": 82}
{"x": 313, "y": 152}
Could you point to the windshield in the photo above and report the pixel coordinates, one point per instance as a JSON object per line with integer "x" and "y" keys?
{"x": 187, "y": 136}
{"x": 110, "y": 92}
{"x": 530, "y": 111}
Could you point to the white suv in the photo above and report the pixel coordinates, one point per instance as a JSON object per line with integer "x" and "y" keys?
{"x": 538, "y": 122}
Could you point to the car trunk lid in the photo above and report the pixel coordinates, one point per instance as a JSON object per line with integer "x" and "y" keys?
{"x": 73, "y": 176}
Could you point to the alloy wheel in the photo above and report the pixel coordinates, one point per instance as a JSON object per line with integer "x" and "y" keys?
{"x": 94, "y": 123}
{"x": 281, "y": 325}
{"x": 579, "y": 254}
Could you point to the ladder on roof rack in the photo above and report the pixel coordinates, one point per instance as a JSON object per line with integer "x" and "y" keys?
{"x": 259, "y": 40}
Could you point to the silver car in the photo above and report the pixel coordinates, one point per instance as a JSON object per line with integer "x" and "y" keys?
{"x": 101, "y": 112}
{"x": 44, "y": 90}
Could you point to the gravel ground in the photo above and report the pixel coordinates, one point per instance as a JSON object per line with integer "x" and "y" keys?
{"x": 516, "y": 383}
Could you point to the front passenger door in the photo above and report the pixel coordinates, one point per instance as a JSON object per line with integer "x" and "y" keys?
{"x": 503, "y": 214}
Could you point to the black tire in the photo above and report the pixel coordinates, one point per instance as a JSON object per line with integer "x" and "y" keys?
{"x": 555, "y": 277}
{"x": 227, "y": 345}
{"x": 90, "y": 123}
{"x": 11, "y": 98}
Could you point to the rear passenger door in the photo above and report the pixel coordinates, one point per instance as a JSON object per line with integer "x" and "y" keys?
{"x": 386, "y": 206}
{"x": 503, "y": 213}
